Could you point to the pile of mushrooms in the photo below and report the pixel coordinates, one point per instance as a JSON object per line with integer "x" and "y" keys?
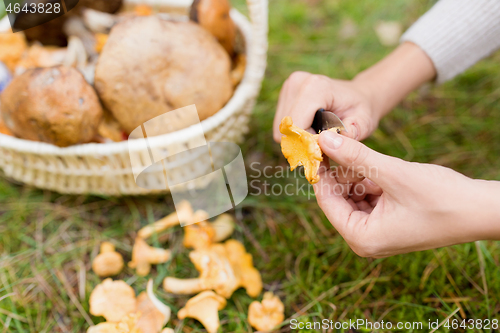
{"x": 223, "y": 265}
{"x": 91, "y": 101}
{"x": 124, "y": 312}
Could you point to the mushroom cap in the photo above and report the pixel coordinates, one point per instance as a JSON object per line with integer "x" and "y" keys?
{"x": 223, "y": 227}
{"x": 213, "y": 15}
{"x": 144, "y": 255}
{"x": 113, "y": 300}
{"x": 266, "y": 315}
{"x": 151, "y": 319}
{"x": 104, "y": 328}
{"x": 216, "y": 271}
{"x": 54, "y": 105}
{"x": 204, "y": 307}
{"x": 301, "y": 148}
{"x": 242, "y": 263}
{"x": 150, "y": 66}
{"x": 108, "y": 264}
{"x": 198, "y": 235}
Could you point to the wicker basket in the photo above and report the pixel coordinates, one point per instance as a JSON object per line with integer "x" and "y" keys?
{"x": 105, "y": 169}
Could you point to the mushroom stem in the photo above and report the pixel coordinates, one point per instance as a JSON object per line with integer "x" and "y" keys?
{"x": 182, "y": 286}
{"x": 160, "y": 225}
{"x": 183, "y": 215}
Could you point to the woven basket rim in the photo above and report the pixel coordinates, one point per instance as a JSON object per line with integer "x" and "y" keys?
{"x": 243, "y": 89}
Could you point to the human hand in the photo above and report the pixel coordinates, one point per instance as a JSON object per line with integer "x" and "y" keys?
{"x": 397, "y": 206}
{"x": 303, "y": 94}
{"x": 360, "y": 103}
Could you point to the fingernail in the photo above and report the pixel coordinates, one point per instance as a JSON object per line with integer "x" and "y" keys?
{"x": 333, "y": 140}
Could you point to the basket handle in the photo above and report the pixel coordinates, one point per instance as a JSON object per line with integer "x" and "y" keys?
{"x": 259, "y": 13}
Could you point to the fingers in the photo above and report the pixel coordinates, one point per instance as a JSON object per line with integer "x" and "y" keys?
{"x": 331, "y": 199}
{"x": 301, "y": 96}
{"x": 381, "y": 169}
{"x": 288, "y": 94}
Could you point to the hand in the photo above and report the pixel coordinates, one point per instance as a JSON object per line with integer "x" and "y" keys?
{"x": 397, "y": 206}
{"x": 303, "y": 94}
{"x": 360, "y": 103}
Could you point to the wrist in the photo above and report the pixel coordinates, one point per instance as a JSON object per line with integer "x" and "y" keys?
{"x": 388, "y": 82}
{"x": 484, "y": 211}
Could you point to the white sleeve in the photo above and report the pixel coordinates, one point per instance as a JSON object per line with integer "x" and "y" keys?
{"x": 456, "y": 34}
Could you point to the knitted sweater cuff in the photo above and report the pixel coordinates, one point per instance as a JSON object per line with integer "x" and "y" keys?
{"x": 456, "y": 34}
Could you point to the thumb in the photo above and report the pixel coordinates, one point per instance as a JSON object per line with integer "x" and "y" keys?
{"x": 353, "y": 154}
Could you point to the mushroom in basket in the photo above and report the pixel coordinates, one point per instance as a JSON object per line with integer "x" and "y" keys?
{"x": 54, "y": 105}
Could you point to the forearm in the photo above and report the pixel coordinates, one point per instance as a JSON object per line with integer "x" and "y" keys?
{"x": 389, "y": 81}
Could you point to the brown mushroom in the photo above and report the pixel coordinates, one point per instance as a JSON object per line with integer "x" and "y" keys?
{"x": 108, "y": 262}
{"x": 205, "y": 308}
{"x": 113, "y": 300}
{"x": 143, "y": 256}
{"x": 213, "y": 15}
{"x": 268, "y": 314}
{"x": 127, "y": 324}
{"x": 195, "y": 70}
{"x": 54, "y": 105}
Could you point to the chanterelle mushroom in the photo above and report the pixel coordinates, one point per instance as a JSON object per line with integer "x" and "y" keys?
{"x": 215, "y": 270}
{"x": 203, "y": 234}
{"x": 149, "y": 313}
{"x": 183, "y": 215}
{"x": 154, "y": 314}
{"x": 108, "y": 262}
{"x": 268, "y": 314}
{"x": 242, "y": 263}
{"x": 113, "y": 300}
{"x": 143, "y": 256}
{"x": 126, "y": 325}
{"x": 301, "y": 148}
{"x": 204, "y": 307}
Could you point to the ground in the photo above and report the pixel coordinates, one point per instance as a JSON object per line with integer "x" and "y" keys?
{"x": 47, "y": 240}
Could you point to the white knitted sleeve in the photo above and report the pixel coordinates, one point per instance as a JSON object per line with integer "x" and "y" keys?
{"x": 456, "y": 34}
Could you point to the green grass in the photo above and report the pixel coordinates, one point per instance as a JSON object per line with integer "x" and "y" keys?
{"x": 47, "y": 240}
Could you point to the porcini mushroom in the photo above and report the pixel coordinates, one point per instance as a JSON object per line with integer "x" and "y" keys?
{"x": 184, "y": 215}
{"x": 54, "y": 105}
{"x": 113, "y": 300}
{"x": 143, "y": 256}
{"x": 205, "y": 308}
{"x": 213, "y": 15}
{"x": 268, "y": 314}
{"x": 108, "y": 262}
{"x": 301, "y": 148}
{"x": 195, "y": 70}
{"x": 203, "y": 234}
{"x": 242, "y": 262}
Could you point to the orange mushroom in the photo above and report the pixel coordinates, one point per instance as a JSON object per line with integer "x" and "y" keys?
{"x": 268, "y": 314}
{"x": 301, "y": 148}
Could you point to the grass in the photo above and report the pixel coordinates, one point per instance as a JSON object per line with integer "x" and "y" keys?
{"x": 47, "y": 240}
